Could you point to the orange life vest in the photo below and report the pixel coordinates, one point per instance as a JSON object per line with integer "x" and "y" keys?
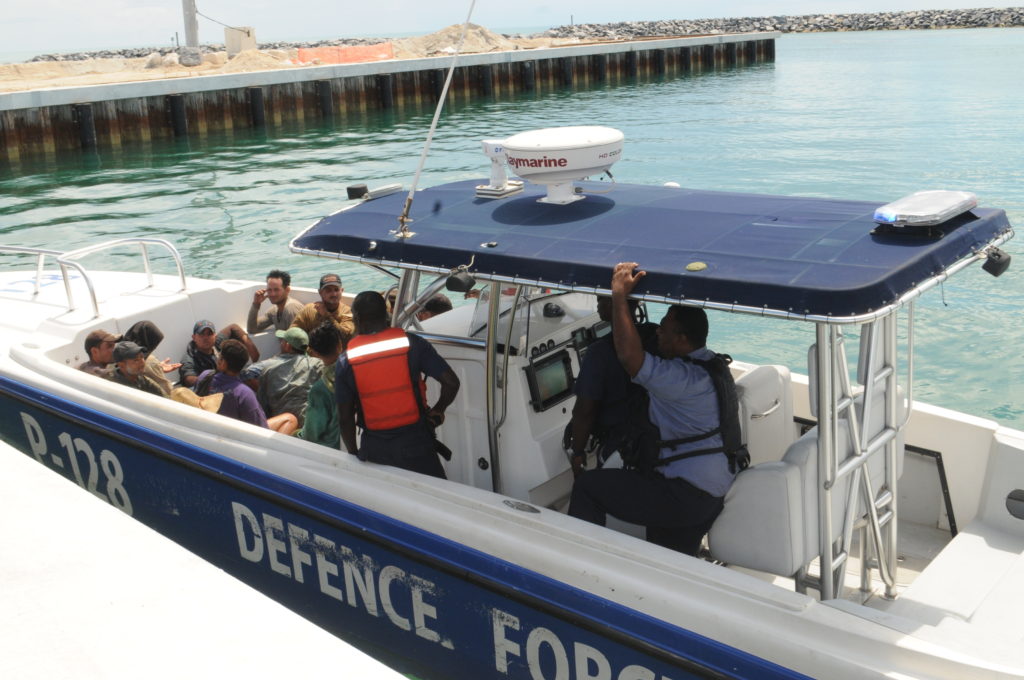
{"x": 380, "y": 363}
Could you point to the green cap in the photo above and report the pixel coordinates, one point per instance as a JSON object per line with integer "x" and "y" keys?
{"x": 296, "y": 337}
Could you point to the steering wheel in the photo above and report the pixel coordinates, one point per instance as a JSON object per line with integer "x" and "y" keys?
{"x": 640, "y": 313}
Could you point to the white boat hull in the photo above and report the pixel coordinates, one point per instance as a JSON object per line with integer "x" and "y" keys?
{"x": 437, "y": 575}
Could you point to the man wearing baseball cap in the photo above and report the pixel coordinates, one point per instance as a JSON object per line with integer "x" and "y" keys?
{"x": 285, "y": 379}
{"x": 330, "y": 307}
{"x": 201, "y": 354}
{"x": 131, "y": 366}
{"x": 99, "y": 347}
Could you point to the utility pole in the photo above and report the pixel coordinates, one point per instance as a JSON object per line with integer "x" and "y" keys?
{"x": 188, "y": 8}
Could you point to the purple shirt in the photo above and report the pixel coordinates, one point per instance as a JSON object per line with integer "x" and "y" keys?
{"x": 239, "y": 400}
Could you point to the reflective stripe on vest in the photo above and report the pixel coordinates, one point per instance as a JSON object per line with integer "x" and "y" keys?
{"x": 380, "y": 363}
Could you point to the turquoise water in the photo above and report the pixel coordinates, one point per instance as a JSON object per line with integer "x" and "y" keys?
{"x": 856, "y": 115}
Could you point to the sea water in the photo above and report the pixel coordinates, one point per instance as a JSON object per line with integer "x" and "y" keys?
{"x": 869, "y": 116}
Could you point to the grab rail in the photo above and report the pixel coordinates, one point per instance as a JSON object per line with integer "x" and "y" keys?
{"x": 66, "y": 260}
{"x": 40, "y": 254}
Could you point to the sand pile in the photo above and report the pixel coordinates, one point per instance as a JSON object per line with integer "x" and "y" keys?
{"x": 256, "y": 60}
{"x": 478, "y": 39}
{"x": 50, "y": 74}
{"x": 49, "y": 69}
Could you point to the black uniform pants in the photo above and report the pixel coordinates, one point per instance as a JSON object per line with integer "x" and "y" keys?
{"x": 411, "y": 448}
{"x": 676, "y": 513}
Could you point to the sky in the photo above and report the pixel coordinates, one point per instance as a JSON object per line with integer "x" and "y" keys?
{"x": 45, "y": 26}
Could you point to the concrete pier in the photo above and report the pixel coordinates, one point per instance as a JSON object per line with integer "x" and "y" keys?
{"x": 89, "y": 593}
{"x": 60, "y": 121}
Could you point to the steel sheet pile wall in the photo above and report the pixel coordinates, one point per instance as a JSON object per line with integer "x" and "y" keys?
{"x": 67, "y": 120}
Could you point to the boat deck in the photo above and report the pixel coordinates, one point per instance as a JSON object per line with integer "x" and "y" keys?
{"x": 918, "y": 546}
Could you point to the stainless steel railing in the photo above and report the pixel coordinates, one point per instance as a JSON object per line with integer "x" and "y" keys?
{"x": 40, "y": 254}
{"x": 67, "y": 261}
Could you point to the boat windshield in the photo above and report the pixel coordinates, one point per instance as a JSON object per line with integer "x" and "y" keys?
{"x": 535, "y": 314}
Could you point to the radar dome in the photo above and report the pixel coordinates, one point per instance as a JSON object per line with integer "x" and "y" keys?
{"x": 557, "y": 156}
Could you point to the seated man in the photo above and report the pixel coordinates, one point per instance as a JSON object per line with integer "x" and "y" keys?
{"x": 679, "y": 498}
{"x": 99, "y": 346}
{"x": 285, "y": 378}
{"x": 146, "y": 335}
{"x": 439, "y": 304}
{"x": 131, "y": 366}
{"x": 202, "y": 351}
{"x": 329, "y": 307}
{"x": 380, "y": 375}
{"x": 283, "y": 308}
{"x": 390, "y": 296}
{"x": 321, "y": 423}
{"x": 239, "y": 400}
{"x": 603, "y": 391}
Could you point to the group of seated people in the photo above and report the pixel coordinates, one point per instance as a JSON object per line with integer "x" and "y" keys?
{"x": 292, "y": 392}
{"x": 310, "y": 389}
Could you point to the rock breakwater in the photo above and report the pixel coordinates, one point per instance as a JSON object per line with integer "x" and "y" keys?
{"x": 139, "y": 52}
{"x": 627, "y": 30}
{"x": 808, "y": 23}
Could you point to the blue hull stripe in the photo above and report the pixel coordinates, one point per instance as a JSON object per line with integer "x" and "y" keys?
{"x": 188, "y": 493}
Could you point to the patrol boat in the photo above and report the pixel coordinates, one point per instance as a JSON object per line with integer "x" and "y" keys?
{"x": 873, "y": 535}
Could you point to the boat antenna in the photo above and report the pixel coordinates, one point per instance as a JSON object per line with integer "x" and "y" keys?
{"x": 403, "y": 220}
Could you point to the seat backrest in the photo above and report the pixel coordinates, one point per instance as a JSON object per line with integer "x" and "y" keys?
{"x": 803, "y": 455}
{"x": 761, "y": 525}
{"x": 770, "y": 518}
{"x": 766, "y": 412}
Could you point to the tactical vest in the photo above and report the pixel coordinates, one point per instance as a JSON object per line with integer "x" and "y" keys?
{"x": 643, "y": 445}
{"x": 380, "y": 363}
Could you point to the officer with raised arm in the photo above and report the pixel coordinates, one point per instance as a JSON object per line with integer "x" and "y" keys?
{"x": 678, "y": 493}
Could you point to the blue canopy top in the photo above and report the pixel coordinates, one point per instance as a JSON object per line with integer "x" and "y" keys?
{"x": 799, "y": 256}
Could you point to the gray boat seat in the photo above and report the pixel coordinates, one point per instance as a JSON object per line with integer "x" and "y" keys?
{"x": 770, "y": 512}
{"x": 770, "y": 518}
{"x": 766, "y": 412}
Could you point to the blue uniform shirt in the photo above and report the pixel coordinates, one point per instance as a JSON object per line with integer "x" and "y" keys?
{"x": 603, "y": 379}
{"x": 684, "y": 404}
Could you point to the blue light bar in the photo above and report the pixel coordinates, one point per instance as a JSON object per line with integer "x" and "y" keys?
{"x": 925, "y": 208}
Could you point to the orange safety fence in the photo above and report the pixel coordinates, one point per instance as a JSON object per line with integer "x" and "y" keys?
{"x": 353, "y": 54}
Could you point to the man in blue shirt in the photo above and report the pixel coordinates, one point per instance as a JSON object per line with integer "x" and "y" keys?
{"x": 680, "y": 500}
{"x": 603, "y": 391}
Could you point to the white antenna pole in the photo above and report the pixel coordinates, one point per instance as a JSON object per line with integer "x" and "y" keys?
{"x": 403, "y": 220}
